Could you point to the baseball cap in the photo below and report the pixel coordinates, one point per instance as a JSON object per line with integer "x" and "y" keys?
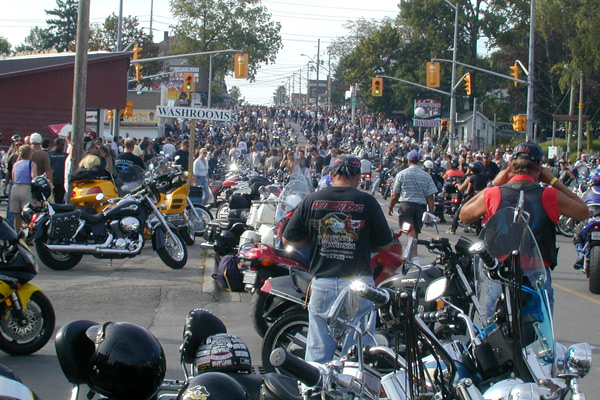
{"x": 413, "y": 155}
{"x": 528, "y": 151}
{"x": 35, "y": 138}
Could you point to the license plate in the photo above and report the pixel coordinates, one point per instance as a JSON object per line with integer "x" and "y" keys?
{"x": 250, "y": 277}
{"x": 595, "y": 236}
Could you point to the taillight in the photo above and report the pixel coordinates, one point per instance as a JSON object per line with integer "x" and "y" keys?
{"x": 368, "y": 176}
{"x": 455, "y": 200}
{"x": 94, "y": 190}
{"x": 266, "y": 287}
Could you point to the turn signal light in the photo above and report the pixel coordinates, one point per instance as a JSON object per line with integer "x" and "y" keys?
{"x": 266, "y": 262}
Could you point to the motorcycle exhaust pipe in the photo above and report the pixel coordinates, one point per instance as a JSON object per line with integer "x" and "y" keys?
{"x": 95, "y": 248}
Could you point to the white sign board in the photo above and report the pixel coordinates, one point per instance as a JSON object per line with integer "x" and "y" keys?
{"x": 194, "y": 113}
{"x": 433, "y": 108}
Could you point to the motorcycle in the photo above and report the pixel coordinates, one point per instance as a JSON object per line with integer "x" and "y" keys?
{"x": 62, "y": 235}
{"x": 27, "y": 315}
{"x": 12, "y": 387}
{"x": 590, "y": 235}
{"x": 87, "y": 184}
{"x": 365, "y": 181}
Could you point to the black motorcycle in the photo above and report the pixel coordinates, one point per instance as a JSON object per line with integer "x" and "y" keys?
{"x": 63, "y": 235}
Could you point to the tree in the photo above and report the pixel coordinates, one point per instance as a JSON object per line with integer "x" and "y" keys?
{"x": 207, "y": 25}
{"x": 236, "y": 96}
{"x": 280, "y": 95}
{"x": 36, "y": 41}
{"x": 4, "y": 46}
{"x": 104, "y": 37}
{"x": 63, "y": 28}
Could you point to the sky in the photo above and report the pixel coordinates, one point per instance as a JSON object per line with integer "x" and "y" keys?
{"x": 303, "y": 22}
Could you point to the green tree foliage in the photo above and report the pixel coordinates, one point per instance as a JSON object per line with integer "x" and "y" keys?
{"x": 104, "y": 37}
{"x": 207, "y": 25}
{"x": 280, "y": 95}
{"x": 5, "y": 46}
{"x": 36, "y": 41}
{"x": 63, "y": 27}
{"x": 236, "y": 96}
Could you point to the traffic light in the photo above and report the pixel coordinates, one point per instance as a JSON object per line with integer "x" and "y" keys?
{"x": 515, "y": 72}
{"x": 468, "y": 84}
{"x": 240, "y": 65}
{"x": 128, "y": 110}
{"x": 519, "y": 123}
{"x": 137, "y": 51}
{"x": 445, "y": 124}
{"x": 138, "y": 72}
{"x": 188, "y": 83}
{"x": 433, "y": 74}
{"x": 376, "y": 87}
{"x": 110, "y": 115}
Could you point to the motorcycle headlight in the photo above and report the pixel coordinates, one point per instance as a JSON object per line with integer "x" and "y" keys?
{"x": 579, "y": 359}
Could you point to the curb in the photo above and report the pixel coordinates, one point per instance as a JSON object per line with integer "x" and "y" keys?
{"x": 209, "y": 285}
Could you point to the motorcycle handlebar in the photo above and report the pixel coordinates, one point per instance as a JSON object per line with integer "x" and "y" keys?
{"x": 488, "y": 259}
{"x": 378, "y": 296}
{"x": 305, "y": 372}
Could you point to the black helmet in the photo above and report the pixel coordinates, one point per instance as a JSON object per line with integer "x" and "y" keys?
{"x": 128, "y": 362}
{"x": 223, "y": 352}
{"x": 454, "y": 162}
{"x": 528, "y": 151}
{"x": 476, "y": 167}
{"x": 40, "y": 188}
{"x": 199, "y": 325}
{"x": 213, "y": 386}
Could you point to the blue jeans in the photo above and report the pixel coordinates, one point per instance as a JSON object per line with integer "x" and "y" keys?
{"x": 203, "y": 181}
{"x": 320, "y": 347}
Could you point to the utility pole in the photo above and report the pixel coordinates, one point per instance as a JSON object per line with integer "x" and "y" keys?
{"x": 116, "y": 119}
{"x": 329, "y": 84}
{"x": 307, "y": 83}
{"x": 530, "y": 77}
{"x": 580, "y": 116}
{"x": 318, "y": 63}
{"x": 151, "y": 16}
{"x": 453, "y": 83}
{"x": 80, "y": 81}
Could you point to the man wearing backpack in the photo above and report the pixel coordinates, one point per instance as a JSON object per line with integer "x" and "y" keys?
{"x": 544, "y": 204}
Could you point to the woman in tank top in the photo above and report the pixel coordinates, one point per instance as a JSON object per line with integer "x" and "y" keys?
{"x": 22, "y": 173}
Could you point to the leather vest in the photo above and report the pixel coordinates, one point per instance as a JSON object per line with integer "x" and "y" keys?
{"x": 544, "y": 230}
{"x": 479, "y": 182}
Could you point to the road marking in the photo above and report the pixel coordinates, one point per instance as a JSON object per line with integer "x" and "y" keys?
{"x": 583, "y": 296}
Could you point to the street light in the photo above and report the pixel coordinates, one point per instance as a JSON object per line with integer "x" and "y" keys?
{"x": 580, "y": 115}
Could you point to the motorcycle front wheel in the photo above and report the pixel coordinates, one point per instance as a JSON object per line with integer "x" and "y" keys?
{"x": 201, "y": 222}
{"x": 289, "y": 332}
{"x": 174, "y": 252}
{"x": 594, "y": 269}
{"x": 57, "y": 261}
{"x": 258, "y": 304}
{"x": 223, "y": 210}
{"x": 22, "y": 339}
{"x": 187, "y": 235}
{"x": 565, "y": 226}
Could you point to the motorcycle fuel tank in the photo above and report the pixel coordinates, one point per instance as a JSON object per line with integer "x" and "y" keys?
{"x": 124, "y": 208}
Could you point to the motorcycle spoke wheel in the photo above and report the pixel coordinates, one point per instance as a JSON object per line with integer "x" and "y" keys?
{"x": 223, "y": 210}
{"x": 19, "y": 339}
{"x": 288, "y": 332}
{"x": 174, "y": 252}
{"x": 55, "y": 260}
{"x": 566, "y": 226}
{"x": 200, "y": 223}
{"x": 594, "y": 270}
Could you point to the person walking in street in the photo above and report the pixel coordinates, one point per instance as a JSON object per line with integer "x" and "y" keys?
{"x": 201, "y": 174}
{"x": 414, "y": 189}
{"x": 127, "y": 158}
{"x": 544, "y": 205}
{"x": 57, "y": 165}
{"x": 342, "y": 226}
{"x": 39, "y": 156}
{"x": 23, "y": 172}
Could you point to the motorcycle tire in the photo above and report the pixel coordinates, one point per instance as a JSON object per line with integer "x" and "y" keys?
{"x": 258, "y": 304}
{"x": 386, "y": 194}
{"x": 367, "y": 185}
{"x": 594, "y": 270}
{"x": 205, "y": 216}
{"x": 19, "y": 340}
{"x": 289, "y": 332}
{"x": 173, "y": 258}
{"x": 566, "y": 226}
{"x": 223, "y": 210}
{"x": 56, "y": 261}
{"x": 187, "y": 235}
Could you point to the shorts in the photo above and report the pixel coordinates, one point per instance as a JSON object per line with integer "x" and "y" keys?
{"x": 411, "y": 213}
{"x": 20, "y": 195}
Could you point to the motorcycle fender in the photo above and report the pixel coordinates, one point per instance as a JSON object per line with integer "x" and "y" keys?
{"x": 277, "y": 307}
{"x": 159, "y": 243}
{"x": 39, "y": 228}
{"x": 24, "y": 293}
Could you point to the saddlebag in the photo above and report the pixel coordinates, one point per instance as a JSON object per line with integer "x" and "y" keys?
{"x": 64, "y": 225}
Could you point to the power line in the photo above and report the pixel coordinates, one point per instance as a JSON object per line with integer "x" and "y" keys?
{"x": 330, "y": 7}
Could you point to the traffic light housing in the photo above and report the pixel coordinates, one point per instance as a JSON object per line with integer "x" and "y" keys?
{"x": 188, "y": 83}
{"x": 128, "y": 110}
{"x": 137, "y": 52}
{"x": 445, "y": 125}
{"x": 377, "y": 87}
{"x": 433, "y": 74}
{"x": 240, "y": 65}
{"x": 110, "y": 115}
{"x": 468, "y": 84}
{"x": 138, "y": 72}
{"x": 519, "y": 123}
{"x": 515, "y": 72}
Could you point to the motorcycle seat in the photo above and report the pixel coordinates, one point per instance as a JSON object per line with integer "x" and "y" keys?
{"x": 63, "y": 207}
{"x": 250, "y": 382}
{"x": 302, "y": 280}
{"x": 226, "y": 223}
{"x": 292, "y": 255}
{"x": 92, "y": 218}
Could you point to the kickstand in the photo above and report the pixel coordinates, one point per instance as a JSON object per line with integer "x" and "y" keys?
{"x": 110, "y": 262}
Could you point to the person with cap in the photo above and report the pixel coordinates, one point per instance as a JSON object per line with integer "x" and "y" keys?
{"x": 40, "y": 157}
{"x": 342, "y": 226}
{"x": 544, "y": 204}
{"x": 414, "y": 189}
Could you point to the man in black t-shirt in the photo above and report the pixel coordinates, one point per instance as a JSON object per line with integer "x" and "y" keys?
{"x": 127, "y": 158}
{"x": 57, "y": 165}
{"x": 342, "y": 226}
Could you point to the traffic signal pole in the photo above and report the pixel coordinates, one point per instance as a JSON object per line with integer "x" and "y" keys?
{"x": 453, "y": 83}
{"x": 530, "y": 75}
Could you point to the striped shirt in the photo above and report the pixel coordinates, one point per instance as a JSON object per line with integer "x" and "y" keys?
{"x": 414, "y": 185}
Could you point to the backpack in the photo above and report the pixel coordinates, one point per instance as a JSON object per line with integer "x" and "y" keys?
{"x": 228, "y": 275}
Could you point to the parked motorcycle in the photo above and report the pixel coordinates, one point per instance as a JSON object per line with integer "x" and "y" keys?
{"x": 27, "y": 315}
{"x": 87, "y": 184}
{"x": 12, "y": 387}
{"x": 590, "y": 235}
{"x": 63, "y": 235}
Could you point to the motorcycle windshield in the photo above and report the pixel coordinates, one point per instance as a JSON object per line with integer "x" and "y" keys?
{"x": 292, "y": 194}
{"x": 129, "y": 179}
{"x": 160, "y": 165}
{"x": 506, "y": 232}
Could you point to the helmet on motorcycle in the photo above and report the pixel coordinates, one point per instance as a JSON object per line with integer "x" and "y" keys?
{"x": 213, "y": 386}
{"x": 595, "y": 177}
{"x": 454, "y": 162}
{"x": 528, "y": 151}
{"x": 428, "y": 164}
{"x": 199, "y": 325}
{"x": 476, "y": 167}
{"x": 40, "y": 188}
{"x": 128, "y": 362}
{"x": 223, "y": 352}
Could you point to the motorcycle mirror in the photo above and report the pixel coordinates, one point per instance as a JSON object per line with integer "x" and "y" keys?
{"x": 176, "y": 158}
{"x": 342, "y": 313}
{"x": 100, "y": 197}
{"x": 429, "y": 218}
{"x": 436, "y": 289}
